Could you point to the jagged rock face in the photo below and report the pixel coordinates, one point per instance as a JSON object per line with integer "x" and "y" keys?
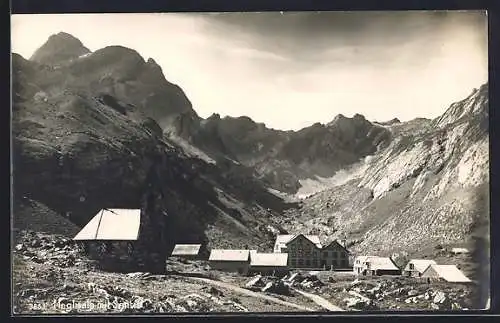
{"x": 451, "y": 143}
{"x": 75, "y": 148}
{"x": 59, "y": 48}
{"x": 428, "y": 187}
{"x": 390, "y": 122}
{"x": 123, "y": 73}
{"x": 325, "y": 149}
{"x": 114, "y": 70}
{"x": 282, "y": 158}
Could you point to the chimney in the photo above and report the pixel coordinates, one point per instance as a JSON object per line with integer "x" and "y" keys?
{"x": 344, "y": 241}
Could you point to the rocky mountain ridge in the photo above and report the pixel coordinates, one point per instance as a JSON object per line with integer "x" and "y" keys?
{"x": 281, "y": 159}
{"x": 427, "y": 188}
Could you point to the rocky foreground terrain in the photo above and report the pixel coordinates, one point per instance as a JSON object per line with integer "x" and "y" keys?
{"x": 52, "y": 276}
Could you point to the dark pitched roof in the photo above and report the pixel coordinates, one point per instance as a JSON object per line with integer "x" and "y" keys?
{"x": 335, "y": 242}
{"x": 312, "y": 238}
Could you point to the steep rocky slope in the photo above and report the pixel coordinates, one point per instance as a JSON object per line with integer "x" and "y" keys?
{"x": 429, "y": 187}
{"x": 84, "y": 138}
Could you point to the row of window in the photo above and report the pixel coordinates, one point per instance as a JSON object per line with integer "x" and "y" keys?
{"x": 333, "y": 254}
{"x": 108, "y": 247}
{"x": 307, "y": 262}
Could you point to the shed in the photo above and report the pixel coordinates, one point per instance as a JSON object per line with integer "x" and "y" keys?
{"x": 458, "y": 251}
{"x": 416, "y": 267}
{"x": 230, "y": 260}
{"x": 112, "y": 237}
{"x": 269, "y": 263}
{"x": 449, "y": 273}
{"x": 375, "y": 266}
{"x": 188, "y": 251}
{"x": 359, "y": 264}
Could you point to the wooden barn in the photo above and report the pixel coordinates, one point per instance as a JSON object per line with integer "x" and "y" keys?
{"x": 269, "y": 263}
{"x": 116, "y": 239}
{"x": 230, "y": 260}
{"x": 416, "y": 267}
{"x": 448, "y": 273}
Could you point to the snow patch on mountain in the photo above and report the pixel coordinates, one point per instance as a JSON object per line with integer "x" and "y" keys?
{"x": 190, "y": 150}
{"x": 84, "y": 55}
{"x": 313, "y": 186}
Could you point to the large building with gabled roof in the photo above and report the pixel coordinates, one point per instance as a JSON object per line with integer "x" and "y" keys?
{"x": 282, "y": 240}
{"x": 306, "y": 251}
{"x": 334, "y": 256}
{"x": 115, "y": 238}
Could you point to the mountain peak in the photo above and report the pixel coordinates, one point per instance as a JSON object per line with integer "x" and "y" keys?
{"x": 58, "y": 48}
{"x": 358, "y": 116}
{"x": 64, "y": 36}
{"x": 152, "y": 62}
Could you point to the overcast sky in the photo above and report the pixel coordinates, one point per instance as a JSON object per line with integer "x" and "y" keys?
{"x": 293, "y": 69}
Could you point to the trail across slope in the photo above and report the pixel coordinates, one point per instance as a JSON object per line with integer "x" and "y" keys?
{"x": 320, "y": 301}
{"x": 250, "y": 293}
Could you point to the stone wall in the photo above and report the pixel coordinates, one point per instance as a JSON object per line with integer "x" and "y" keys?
{"x": 269, "y": 270}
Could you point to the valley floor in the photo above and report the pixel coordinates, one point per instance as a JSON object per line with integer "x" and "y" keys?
{"x": 50, "y": 276}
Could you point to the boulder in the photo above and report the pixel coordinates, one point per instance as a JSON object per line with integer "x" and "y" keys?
{"x": 254, "y": 281}
{"x": 412, "y": 292}
{"x": 439, "y": 298}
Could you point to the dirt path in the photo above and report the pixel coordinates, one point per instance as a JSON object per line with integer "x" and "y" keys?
{"x": 250, "y": 293}
{"x": 320, "y": 301}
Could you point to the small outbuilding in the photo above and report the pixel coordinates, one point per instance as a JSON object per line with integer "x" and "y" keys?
{"x": 416, "y": 267}
{"x": 269, "y": 263}
{"x": 187, "y": 251}
{"x": 459, "y": 251}
{"x": 375, "y": 266}
{"x": 230, "y": 260}
{"x": 448, "y": 273}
